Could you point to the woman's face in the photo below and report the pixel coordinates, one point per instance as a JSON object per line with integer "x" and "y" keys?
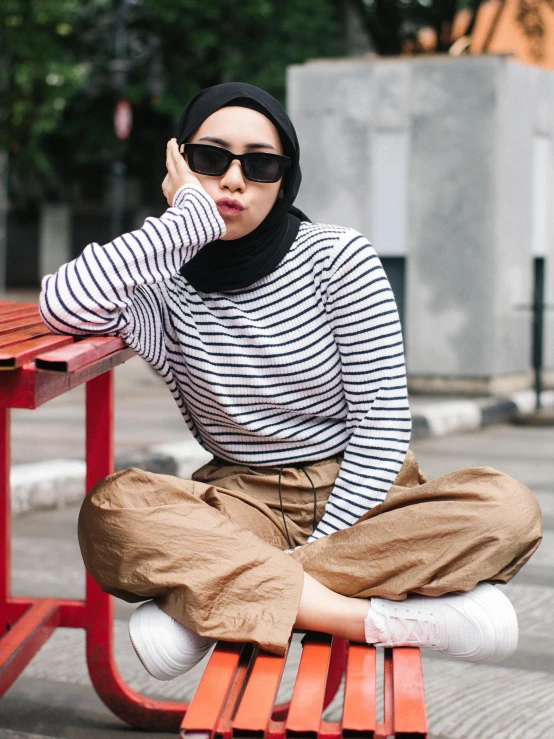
{"x": 239, "y": 130}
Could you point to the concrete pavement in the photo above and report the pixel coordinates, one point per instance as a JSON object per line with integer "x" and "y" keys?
{"x": 512, "y": 700}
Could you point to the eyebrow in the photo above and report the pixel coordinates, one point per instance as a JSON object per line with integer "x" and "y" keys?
{"x": 221, "y": 142}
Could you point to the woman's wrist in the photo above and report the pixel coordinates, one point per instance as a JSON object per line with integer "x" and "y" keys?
{"x": 180, "y": 195}
{"x": 195, "y": 197}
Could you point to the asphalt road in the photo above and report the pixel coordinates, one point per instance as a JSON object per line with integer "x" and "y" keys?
{"x": 512, "y": 700}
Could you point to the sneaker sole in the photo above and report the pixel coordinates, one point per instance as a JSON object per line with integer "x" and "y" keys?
{"x": 503, "y": 617}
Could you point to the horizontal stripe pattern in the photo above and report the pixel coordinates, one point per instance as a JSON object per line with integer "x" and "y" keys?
{"x": 306, "y": 363}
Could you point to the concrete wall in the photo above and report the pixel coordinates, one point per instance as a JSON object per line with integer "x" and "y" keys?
{"x": 54, "y": 237}
{"x": 448, "y": 162}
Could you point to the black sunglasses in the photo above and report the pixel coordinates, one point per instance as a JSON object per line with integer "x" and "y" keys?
{"x": 214, "y": 161}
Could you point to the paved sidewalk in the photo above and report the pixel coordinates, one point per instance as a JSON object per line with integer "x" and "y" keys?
{"x": 511, "y": 700}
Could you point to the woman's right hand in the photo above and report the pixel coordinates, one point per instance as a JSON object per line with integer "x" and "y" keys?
{"x": 178, "y": 172}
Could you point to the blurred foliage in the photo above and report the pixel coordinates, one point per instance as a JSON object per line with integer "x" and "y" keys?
{"x": 64, "y": 63}
{"x": 39, "y": 73}
{"x": 394, "y": 24}
{"x": 60, "y": 82}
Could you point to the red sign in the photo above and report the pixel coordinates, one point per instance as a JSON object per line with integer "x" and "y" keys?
{"x": 123, "y": 120}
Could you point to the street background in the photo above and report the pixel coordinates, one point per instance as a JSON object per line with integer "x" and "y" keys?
{"x": 428, "y": 126}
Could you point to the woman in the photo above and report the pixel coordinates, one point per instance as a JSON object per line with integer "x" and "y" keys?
{"x": 280, "y": 342}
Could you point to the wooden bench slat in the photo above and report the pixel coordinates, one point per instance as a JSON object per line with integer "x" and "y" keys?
{"x": 16, "y": 355}
{"x": 306, "y": 705}
{"x": 409, "y": 717}
{"x": 256, "y": 706}
{"x": 18, "y": 309}
{"x": 79, "y": 354}
{"x": 30, "y": 321}
{"x": 27, "y": 388}
{"x": 15, "y": 309}
{"x": 8, "y": 314}
{"x": 211, "y": 694}
{"x": 24, "y": 334}
{"x": 359, "y": 712}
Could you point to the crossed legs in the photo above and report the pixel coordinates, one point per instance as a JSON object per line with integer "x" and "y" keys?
{"x": 212, "y": 557}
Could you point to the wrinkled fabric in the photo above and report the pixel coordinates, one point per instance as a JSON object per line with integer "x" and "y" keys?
{"x": 210, "y": 550}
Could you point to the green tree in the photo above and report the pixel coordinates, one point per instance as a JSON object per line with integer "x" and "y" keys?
{"x": 62, "y": 80}
{"x": 39, "y": 74}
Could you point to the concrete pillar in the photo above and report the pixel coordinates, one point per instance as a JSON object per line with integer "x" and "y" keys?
{"x": 543, "y": 207}
{"x": 448, "y": 162}
{"x": 54, "y": 237}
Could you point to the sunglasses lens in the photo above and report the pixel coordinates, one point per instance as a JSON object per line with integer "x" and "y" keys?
{"x": 262, "y": 167}
{"x": 214, "y": 161}
{"x": 208, "y": 160}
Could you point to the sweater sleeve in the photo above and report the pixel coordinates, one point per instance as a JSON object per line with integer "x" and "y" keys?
{"x": 366, "y": 327}
{"x": 111, "y": 289}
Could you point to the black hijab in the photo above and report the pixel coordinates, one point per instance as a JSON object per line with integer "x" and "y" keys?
{"x": 238, "y": 263}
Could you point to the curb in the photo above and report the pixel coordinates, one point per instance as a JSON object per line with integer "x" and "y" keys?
{"x": 439, "y": 418}
{"x": 59, "y": 482}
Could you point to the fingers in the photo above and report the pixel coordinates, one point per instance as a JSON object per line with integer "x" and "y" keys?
{"x": 170, "y": 162}
{"x": 170, "y": 183}
{"x": 178, "y": 172}
{"x": 181, "y": 164}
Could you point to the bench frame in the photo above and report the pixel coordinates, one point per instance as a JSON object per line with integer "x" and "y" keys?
{"x": 236, "y": 694}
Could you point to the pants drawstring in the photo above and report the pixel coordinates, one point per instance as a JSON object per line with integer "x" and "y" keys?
{"x": 315, "y": 498}
{"x": 281, "y": 468}
{"x": 282, "y": 510}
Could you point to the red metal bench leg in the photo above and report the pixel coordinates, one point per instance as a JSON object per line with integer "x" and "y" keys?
{"x": 126, "y": 703}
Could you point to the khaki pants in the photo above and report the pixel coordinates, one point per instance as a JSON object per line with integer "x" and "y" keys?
{"x": 210, "y": 550}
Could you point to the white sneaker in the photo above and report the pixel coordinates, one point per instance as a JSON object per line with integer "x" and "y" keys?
{"x": 479, "y": 626}
{"x": 165, "y": 647}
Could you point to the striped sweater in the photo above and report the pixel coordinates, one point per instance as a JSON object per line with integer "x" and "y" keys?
{"x": 304, "y": 364}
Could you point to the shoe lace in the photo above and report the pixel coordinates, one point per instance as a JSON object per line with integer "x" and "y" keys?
{"x": 422, "y": 630}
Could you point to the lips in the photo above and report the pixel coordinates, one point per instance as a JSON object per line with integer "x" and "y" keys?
{"x": 230, "y": 207}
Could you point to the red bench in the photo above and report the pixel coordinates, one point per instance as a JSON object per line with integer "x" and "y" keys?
{"x": 237, "y": 692}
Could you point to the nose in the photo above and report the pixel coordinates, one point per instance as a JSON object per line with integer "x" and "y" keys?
{"x": 233, "y": 178}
